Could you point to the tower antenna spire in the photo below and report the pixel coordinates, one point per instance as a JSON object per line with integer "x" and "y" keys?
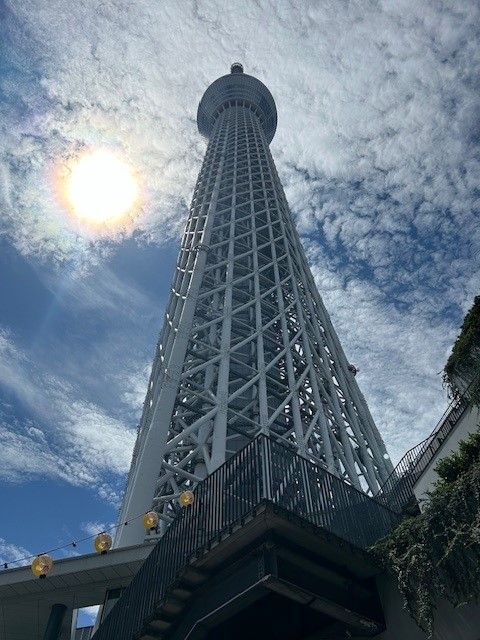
{"x": 236, "y": 67}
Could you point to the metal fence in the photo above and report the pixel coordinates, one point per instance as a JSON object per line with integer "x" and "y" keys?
{"x": 265, "y": 470}
{"x": 397, "y": 491}
{"x": 83, "y": 633}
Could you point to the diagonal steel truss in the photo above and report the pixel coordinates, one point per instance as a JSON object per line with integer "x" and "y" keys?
{"x": 247, "y": 346}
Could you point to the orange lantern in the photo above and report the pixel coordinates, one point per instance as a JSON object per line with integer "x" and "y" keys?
{"x": 186, "y": 498}
{"x": 102, "y": 542}
{"x": 41, "y": 565}
{"x": 150, "y": 520}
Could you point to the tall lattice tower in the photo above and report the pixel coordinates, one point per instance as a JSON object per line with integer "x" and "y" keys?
{"x": 247, "y": 346}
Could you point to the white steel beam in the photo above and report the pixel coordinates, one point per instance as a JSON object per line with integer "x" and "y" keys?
{"x": 247, "y": 345}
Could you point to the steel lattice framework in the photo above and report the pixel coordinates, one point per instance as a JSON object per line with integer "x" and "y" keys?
{"x": 247, "y": 345}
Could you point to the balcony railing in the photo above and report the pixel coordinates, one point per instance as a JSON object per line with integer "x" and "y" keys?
{"x": 263, "y": 471}
{"x": 397, "y": 491}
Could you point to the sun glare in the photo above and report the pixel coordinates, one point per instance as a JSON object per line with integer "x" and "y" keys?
{"x": 101, "y": 188}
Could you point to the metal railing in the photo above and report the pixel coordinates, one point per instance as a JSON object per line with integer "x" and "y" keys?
{"x": 263, "y": 471}
{"x": 397, "y": 490}
{"x": 83, "y": 633}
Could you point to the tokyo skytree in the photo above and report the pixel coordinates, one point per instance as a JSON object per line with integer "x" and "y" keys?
{"x": 247, "y": 346}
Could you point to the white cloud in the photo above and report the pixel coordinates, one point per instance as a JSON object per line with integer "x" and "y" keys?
{"x": 399, "y": 363}
{"x": 136, "y": 385}
{"x": 90, "y": 612}
{"x": 363, "y": 94}
{"x": 37, "y": 434}
{"x": 9, "y": 551}
{"x": 377, "y": 146}
{"x": 92, "y": 528}
{"x": 80, "y": 443}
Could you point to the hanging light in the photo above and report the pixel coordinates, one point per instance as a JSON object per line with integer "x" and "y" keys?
{"x": 150, "y": 520}
{"x": 186, "y": 498}
{"x": 41, "y": 565}
{"x": 102, "y": 542}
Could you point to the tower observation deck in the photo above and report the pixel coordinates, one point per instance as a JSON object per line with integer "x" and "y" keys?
{"x": 247, "y": 346}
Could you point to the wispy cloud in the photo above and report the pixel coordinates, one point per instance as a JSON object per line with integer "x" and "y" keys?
{"x": 400, "y": 355}
{"x": 92, "y": 528}
{"x": 364, "y": 95}
{"x": 9, "y": 551}
{"x": 90, "y": 613}
{"x": 377, "y": 146}
{"x": 72, "y": 438}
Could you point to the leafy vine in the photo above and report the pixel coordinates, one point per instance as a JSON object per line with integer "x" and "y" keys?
{"x": 462, "y": 371}
{"x": 437, "y": 553}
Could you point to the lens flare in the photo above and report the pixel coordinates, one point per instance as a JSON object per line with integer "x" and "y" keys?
{"x": 101, "y": 189}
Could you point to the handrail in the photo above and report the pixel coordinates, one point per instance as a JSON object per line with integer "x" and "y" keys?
{"x": 263, "y": 471}
{"x": 397, "y": 490}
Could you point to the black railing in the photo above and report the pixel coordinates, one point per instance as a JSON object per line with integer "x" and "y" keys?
{"x": 264, "y": 471}
{"x": 397, "y": 491}
{"x": 83, "y": 633}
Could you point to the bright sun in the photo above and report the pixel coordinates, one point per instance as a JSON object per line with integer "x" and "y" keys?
{"x": 101, "y": 188}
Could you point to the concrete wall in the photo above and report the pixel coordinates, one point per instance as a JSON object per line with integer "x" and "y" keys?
{"x": 461, "y": 623}
{"x": 467, "y": 424}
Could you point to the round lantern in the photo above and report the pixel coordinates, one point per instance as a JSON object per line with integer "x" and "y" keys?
{"x": 186, "y": 498}
{"x": 150, "y": 520}
{"x": 102, "y": 543}
{"x": 41, "y": 565}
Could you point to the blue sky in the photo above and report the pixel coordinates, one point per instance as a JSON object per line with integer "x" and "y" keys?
{"x": 377, "y": 147}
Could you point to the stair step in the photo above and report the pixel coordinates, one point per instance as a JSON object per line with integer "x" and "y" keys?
{"x": 181, "y": 594}
{"x": 192, "y": 576}
{"x": 159, "y": 625}
{"x": 172, "y": 606}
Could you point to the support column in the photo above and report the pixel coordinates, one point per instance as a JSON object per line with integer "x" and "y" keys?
{"x": 54, "y": 624}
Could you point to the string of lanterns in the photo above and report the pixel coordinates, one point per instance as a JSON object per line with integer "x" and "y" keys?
{"x": 42, "y": 564}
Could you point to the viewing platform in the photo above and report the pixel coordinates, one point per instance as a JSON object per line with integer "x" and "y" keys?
{"x": 268, "y": 528}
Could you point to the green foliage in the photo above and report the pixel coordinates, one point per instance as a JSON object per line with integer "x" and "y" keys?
{"x": 451, "y": 467}
{"x": 437, "y": 553}
{"x": 463, "y": 366}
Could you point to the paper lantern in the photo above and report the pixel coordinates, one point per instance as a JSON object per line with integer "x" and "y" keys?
{"x": 102, "y": 542}
{"x": 150, "y": 520}
{"x": 41, "y": 565}
{"x": 186, "y": 498}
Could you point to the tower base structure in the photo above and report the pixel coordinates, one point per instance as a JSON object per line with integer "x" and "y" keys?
{"x": 272, "y": 578}
{"x": 256, "y": 556}
{"x": 273, "y": 546}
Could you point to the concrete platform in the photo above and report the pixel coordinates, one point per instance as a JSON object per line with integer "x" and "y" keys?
{"x": 82, "y": 581}
{"x": 272, "y": 576}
